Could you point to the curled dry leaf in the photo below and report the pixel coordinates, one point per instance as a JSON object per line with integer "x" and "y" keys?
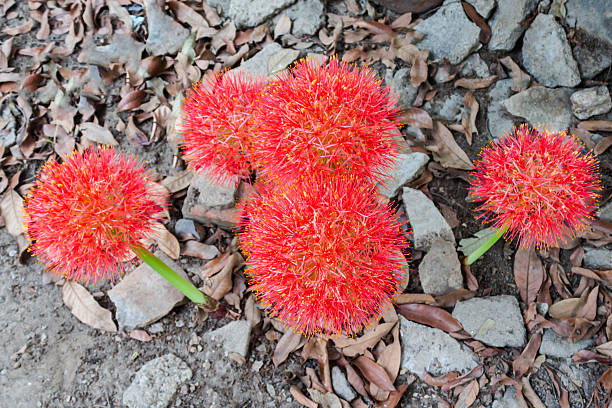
{"x": 391, "y": 357}
{"x": 605, "y": 348}
{"x": 603, "y": 390}
{"x": 199, "y": 250}
{"x": 475, "y": 83}
{"x": 441, "y": 380}
{"x": 485, "y": 30}
{"x": 12, "y": 212}
{"x": 178, "y": 182}
{"x": 596, "y": 125}
{"x": 603, "y": 145}
{"x": 140, "y": 335}
{"x": 559, "y": 280}
{"x": 416, "y": 118}
{"x": 520, "y": 80}
{"x": 414, "y": 298}
{"x": 85, "y": 308}
{"x": 521, "y": 365}
{"x": 20, "y": 29}
{"x": 287, "y": 344}
{"x": 460, "y": 380}
{"x": 97, "y": 134}
{"x": 301, "y": 398}
{"x": 217, "y": 283}
{"x": 166, "y": 241}
{"x": 588, "y": 356}
{"x": 132, "y": 100}
{"x": 528, "y": 273}
{"x": 283, "y": 26}
{"x": 32, "y": 81}
{"x": 394, "y": 396}
{"x": 468, "y": 395}
{"x": 602, "y": 276}
{"x": 431, "y": 316}
{"x": 469, "y": 122}
{"x": 352, "y": 346}
{"x": 187, "y": 15}
{"x": 446, "y": 150}
{"x": 374, "y": 373}
{"x": 375, "y": 27}
{"x": 530, "y": 394}
{"x": 402, "y": 21}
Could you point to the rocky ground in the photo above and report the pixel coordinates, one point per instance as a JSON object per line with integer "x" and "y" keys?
{"x": 114, "y": 72}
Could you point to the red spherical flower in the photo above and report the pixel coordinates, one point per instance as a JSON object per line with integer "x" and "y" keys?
{"x": 537, "y": 185}
{"x": 217, "y": 124}
{"x": 326, "y": 118}
{"x": 323, "y": 255}
{"x": 85, "y": 213}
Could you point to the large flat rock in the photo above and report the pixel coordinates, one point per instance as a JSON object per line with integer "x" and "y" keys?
{"x": 539, "y": 105}
{"x": 506, "y": 24}
{"x": 428, "y": 224}
{"x": 250, "y": 13}
{"x": 440, "y": 269}
{"x": 593, "y": 16}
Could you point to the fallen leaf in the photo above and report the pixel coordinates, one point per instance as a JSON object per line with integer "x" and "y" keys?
{"x": 596, "y": 125}
{"x": 391, "y": 357}
{"x": 85, "y": 308}
{"x": 187, "y": 15}
{"x": 414, "y": 298}
{"x": 97, "y": 134}
{"x": 372, "y": 335}
{"x": 140, "y": 335}
{"x": 225, "y": 36}
{"x": 402, "y": 21}
{"x": 450, "y": 299}
{"x": 530, "y": 394}
{"x": 132, "y": 100}
{"x": 468, "y": 395}
{"x": 12, "y": 212}
{"x": 166, "y": 241}
{"x": 301, "y": 398}
{"x": 469, "y": 122}
{"x": 218, "y": 282}
{"x": 462, "y": 379}
{"x": 588, "y": 356}
{"x": 285, "y": 346}
{"x": 375, "y": 27}
{"x": 520, "y": 80}
{"x": 178, "y": 182}
{"x": 416, "y": 118}
{"x": 485, "y": 30}
{"x": 528, "y": 273}
{"x": 281, "y": 60}
{"x": 603, "y": 390}
{"x": 283, "y": 26}
{"x": 20, "y": 29}
{"x": 441, "y": 380}
{"x": 446, "y": 150}
{"x": 589, "y": 309}
{"x": 475, "y": 83}
{"x": 430, "y": 315}
{"x": 199, "y": 250}
{"x": 525, "y": 360}
{"x": 603, "y": 145}
{"x": 374, "y": 373}
{"x": 566, "y": 308}
{"x": 394, "y": 396}
{"x": 605, "y": 348}
{"x": 418, "y": 68}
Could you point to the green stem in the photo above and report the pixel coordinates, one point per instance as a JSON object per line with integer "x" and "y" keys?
{"x": 193, "y": 293}
{"x": 485, "y": 246}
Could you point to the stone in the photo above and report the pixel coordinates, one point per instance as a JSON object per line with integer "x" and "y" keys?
{"x": 475, "y": 66}
{"x": 605, "y": 213}
{"x": 483, "y": 7}
{"x": 547, "y": 54}
{"x": 450, "y": 108}
{"x": 597, "y": 258}
{"x": 506, "y": 27}
{"x": 591, "y": 61}
{"x": 341, "y": 385}
{"x": 495, "y": 320}
{"x": 427, "y": 223}
{"x": 307, "y": 17}
{"x": 440, "y": 269}
{"x": 143, "y": 296}
{"x": 234, "y": 337}
{"x": 540, "y": 105}
{"x": 258, "y": 63}
{"x": 554, "y": 345}
{"x": 122, "y": 48}
{"x": 499, "y": 120}
{"x": 156, "y": 382}
{"x": 593, "y": 16}
{"x": 591, "y": 102}
{"x": 427, "y": 349}
{"x": 187, "y": 228}
{"x": 407, "y": 167}
{"x": 251, "y": 13}
{"x": 222, "y": 5}
{"x": 210, "y": 202}
{"x": 326, "y": 400}
{"x": 166, "y": 36}
{"x": 400, "y": 83}
{"x": 508, "y": 400}
{"x": 449, "y": 21}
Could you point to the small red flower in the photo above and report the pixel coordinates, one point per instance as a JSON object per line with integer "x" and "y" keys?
{"x": 324, "y": 255}
{"x": 326, "y": 119}
{"x": 537, "y": 184}
{"x": 85, "y": 213}
{"x": 218, "y": 124}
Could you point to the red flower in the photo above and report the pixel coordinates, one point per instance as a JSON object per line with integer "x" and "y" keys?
{"x": 85, "y": 213}
{"x": 323, "y": 255}
{"x": 218, "y": 124}
{"x": 537, "y": 184}
{"x": 326, "y": 119}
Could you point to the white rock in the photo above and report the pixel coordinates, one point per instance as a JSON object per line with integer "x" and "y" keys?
{"x": 427, "y": 223}
{"x": 440, "y": 269}
{"x": 408, "y": 166}
{"x": 401, "y": 85}
{"x": 234, "y": 337}
{"x": 508, "y": 401}
{"x": 341, "y": 385}
{"x": 307, "y": 17}
{"x": 590, "y": 102}
{"x": 499, "y": 120}
{"x": 475, "y": 66}
{"x": 506, "y": 27}
{"x": 540, "y": 105}
{"x": 250, "y": 13}
{"x": 554, "y": 345}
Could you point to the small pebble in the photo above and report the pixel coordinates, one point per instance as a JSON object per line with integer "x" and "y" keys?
{"x": 271, "y": 390}
{"x": 180, "y": 323}
{"x": 156, "y": 328}
{"x": 12, "y": 253}
{"x": 257, "y": 366}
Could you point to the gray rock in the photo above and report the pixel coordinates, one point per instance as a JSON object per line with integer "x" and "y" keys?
{"x": 258, "y": 63}
{"x": 204, "y": 191}
{"x": 499, "y": 120}
{"x": 475, "y": 66}
{"x": 187, "y": 227}
{"x": 408, "y": 166}
{"x": 341, "y": 385}
{"x": 307, "y": 17}
{"x": 554, "y": 345}
{"x": 427, "y": 223}
{"x": 597, "y": 258}
{"x": 605, "y": 213}
{"x": 122, "y": 48}
{"x": 401, "y": 85}
{"x": 250, "y": 13}
{"x": 483, "y": 7}
{"x": 540, "y": 105}
{"x": 440, "y": 269}
{"x": 221, "y": 5}
{"x": 166, "y": 36}
{"x": 234, "y": 337}
{"x": 156, "y": 328}
{"x": 143, "y": 296}
{"x": 506, "y": 27}
{"x": 156, "y": 382}
{"x": 591, "y": 101}
{"x": 495, "y": 320}
{"x": 450, "y": 108}
{"x": 547, "y": 54}
{"x": 8, "y": 136}
{"x": 449, "y": 21}
{"x": 591, "y": 61}
{"x": 325, "y": 400}
{"x": 427, "y": 349}
{"x": 508, "y": 400}
{"x": 593, "y": 16}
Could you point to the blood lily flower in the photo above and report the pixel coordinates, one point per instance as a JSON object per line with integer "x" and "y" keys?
{"x": 323, "y": 254}
{"x": 218, "y": 123}
{"x": 329, "y": 119}
{"x": 536, "y": 186}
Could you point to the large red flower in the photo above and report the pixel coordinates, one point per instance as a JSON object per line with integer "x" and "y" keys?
{"x": 323, "y": 255}
{"x": 85, "y": 213}
{"x": 326, "y": 119}
{"x": 218, "y": 123}
{"x": 537, "y": 184}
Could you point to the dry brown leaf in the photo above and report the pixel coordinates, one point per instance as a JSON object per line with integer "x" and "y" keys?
{"x": 97, "y": 134}
{"x": 446, "y": 150}
{"x": 520, "y": 80}
{"x": 178, "y": 182}
{"x": 528, "y": 273}
{"x": 431, "y": 316}
{"x": 140, "y": 335}
{"x": 605, "y": 348}
{"x": 85, "y": 308}
{"x": 199, "y": 250}
{"x": 353, "y": 346}
{"x": 354, "y": 36}
{"x": 132, "y": 100}
{"x": 12, "y": 212}
{"x": 187, "y": 15}
{"x": 603, "y": 390}
{"x": 530, "y": 394}
{"x": 522, "y": 364}
{"x": 468, "y": 395}
{"x": 441, "y": 380}
{"x": 375, "y": 27}
{"x": 566, "y": 308}
{"x": 589, "y": 309}
{"x": 290, "y": 342}
{"x": 596, "y": 125}
{"x": 588, "y": 356}
{"x": 283, "y": 26}
{"x": 470, "y": 375}
{"x": 218, "y": 282}
{"x": 166, "y": 241}
{"x": 374, "y": 373}
{"x": 485, "y": 30}
{"x": 402, "y": 21}
{"x": 469, "y": 122}
{"x": 414, "y": 298}
{"x": 559, "y": 280}
{"x": 603, "y": 145}
{"x": 475, "y": 83}
{"x": 450, "y": 299}
{"x": 135, "y": 135}
{"x": 301, "y": 398}
{"x": 32, "y": 81}
{"x": 418, "y": 68}
{"x": 391, "y": 357}
{"x": 394, "y": 396}
{"x": 20, "y": 29}
{"x": 416, "y": 118}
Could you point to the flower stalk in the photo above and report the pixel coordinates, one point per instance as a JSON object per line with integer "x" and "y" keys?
{"x": 480, "y": 251}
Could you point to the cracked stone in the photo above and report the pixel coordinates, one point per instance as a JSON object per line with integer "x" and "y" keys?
{"x": 408, "y": 166}
{"x": 540, "y": 105}
{"x": 440, "y": 269}
{"x": 427, "y": 223}
{"x": 506, "y": 27}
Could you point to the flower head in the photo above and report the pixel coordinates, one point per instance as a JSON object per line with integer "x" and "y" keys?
{"x": 218, "y": 124}
{"x": 537, "y": 185}
{"x": 85, "y": 213}
{"x": 324, "y": 255}
{"x": 328, "y": 119}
